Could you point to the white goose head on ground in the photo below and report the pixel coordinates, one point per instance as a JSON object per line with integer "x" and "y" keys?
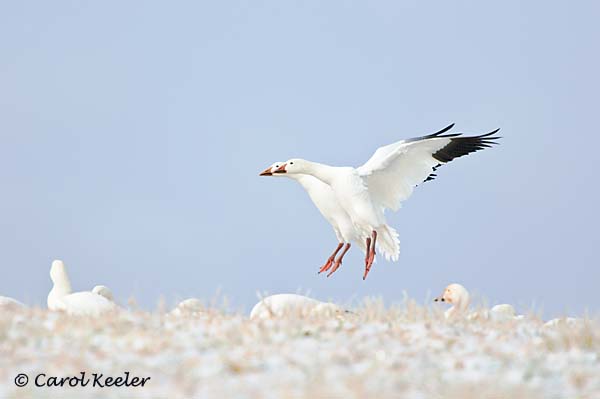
{"x": 104, "y": 291}
{"x": 62, "y": 284}
{"x": 61, "y": 297}
{"x": 387, "y": 179}
{"x": 456, "y": 295}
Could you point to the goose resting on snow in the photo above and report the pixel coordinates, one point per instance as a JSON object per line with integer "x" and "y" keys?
{"x": 458, "y": 297}
{"x": 188, "y": 307}
{"x": 61, "y": 297}
{"x": 292, "y": 304}
{"x": 563, "y": 322}
{"x": 387, "y": 179}
{"x": 10, "y": 303}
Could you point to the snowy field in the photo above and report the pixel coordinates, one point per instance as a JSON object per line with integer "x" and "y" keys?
{"x": 404, "y": 351}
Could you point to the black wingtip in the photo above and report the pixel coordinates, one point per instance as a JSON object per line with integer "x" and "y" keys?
{"x": 444, "y": 130}
{"x": 437, "y": 134}
{"x": 487, "y": 135}
{"x": 460, "y": 146}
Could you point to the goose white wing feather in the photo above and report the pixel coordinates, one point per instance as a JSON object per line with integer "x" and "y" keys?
{"x": 396, "y": 169}
{"x": 85, "y": 303}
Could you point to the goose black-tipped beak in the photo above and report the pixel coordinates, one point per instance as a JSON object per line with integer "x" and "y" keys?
{"x": 266, "y": 172}
{"x": 281, "y": 169}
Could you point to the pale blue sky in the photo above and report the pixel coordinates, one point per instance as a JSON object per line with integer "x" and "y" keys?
{"x": 132, "y": 134}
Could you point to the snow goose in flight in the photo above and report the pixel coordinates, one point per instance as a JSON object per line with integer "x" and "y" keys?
{"x": 387, "y": 179}
{"x": 61, "y": 297}
{"x": 326, "y": 202}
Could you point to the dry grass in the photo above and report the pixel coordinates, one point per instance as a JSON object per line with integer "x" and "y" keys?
{"x": 404, "y": 351}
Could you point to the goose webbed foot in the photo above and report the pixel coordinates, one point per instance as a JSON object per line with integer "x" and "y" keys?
{"x": 338, "y": 262}
{"x": 331, "y": 259}
{"x": 327, "y": 265}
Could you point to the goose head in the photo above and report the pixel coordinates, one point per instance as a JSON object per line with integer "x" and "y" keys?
{"x": 269, "y": 171}
{"x": 61, "y": 284}
{"x": 104, "y": 291}
{"x": 58, "y": 273}
{"x": 291, "y": 167}
{"x": 457, "y": 295}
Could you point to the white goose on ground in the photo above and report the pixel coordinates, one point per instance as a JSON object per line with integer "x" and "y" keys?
{"x": 387, "y": 179}
{"x": 282, "y": 305}
{"x": 326, "y": 202}
{"x": 458, "y": 296}
{"x": 61, "y": 297}
{"x": 10, "y": 303}
{"x": 563, "y": 322}
{"x": 188, "y": 307}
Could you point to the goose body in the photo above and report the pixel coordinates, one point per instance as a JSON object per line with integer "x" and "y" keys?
{"x": 281, "y": 305}
{"x": 61, "y": 297}
{"x": 326, "y": 202}
{"x": 188, "y": 307}
{"x": 563, "y": 322}
{"x": 10, "y": 303}
{"x": 503, "y": 312}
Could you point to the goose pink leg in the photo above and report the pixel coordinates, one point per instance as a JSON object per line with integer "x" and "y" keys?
{"x": 368, "y": 240}
{"x": 338, "y": 262}
{"x": 370, "y": 258}
{"x": 331, "y": 259}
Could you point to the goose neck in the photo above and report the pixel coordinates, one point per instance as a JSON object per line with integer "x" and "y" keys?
{"x": 323, "y": 172}
{"x": 62, "y": 286}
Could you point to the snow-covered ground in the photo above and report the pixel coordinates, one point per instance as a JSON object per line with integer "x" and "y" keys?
{"x": 403, "y": 351}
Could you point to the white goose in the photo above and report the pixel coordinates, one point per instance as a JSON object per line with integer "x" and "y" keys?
{"x": 458, "y": 296}
{"x": 61, "y": 297}
{"x": 188, "y": 307}
{"x": 10, "y": 303}
{"x": 387, "y": 179}
{"x": 563, "y": 322}
{"x": 326, "y": 202}
{"x": 281, "y": 305}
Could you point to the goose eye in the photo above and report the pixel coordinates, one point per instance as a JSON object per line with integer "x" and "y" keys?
{"x": 291, "y": 163}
